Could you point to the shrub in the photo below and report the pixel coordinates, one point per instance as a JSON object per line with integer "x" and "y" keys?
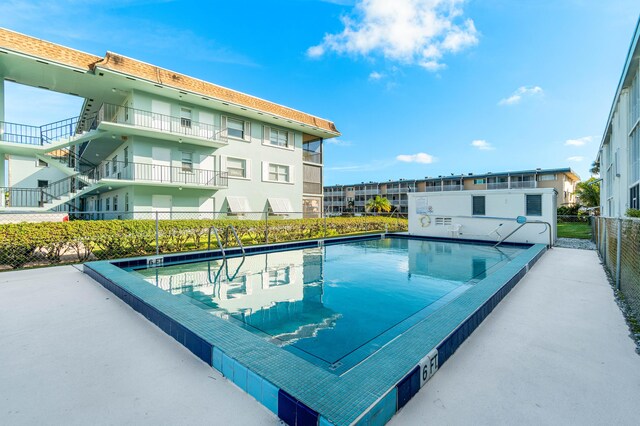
{"x": 633, "y": 212}
{"x": 47, "y": 243}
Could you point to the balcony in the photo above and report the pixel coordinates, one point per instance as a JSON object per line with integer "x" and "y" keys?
{"x": 146, "y": 123}
{"x": 435, "y": 188}
{"x": 312, "y": 157}
{"x": 452, "y": 187}
{"x": 159, "y": 175}
{"x": 312, "y": 188}
{"x": 497, "y": 185}
{"x": 524, "y": 184}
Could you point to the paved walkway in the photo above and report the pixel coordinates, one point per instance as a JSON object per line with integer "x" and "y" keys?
{"x": 71, "y": 353}
{"x": 555, "y": 351}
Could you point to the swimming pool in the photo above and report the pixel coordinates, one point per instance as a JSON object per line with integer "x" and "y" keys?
{"x": 331, "y": 332}
{"x": 337, "y": 304}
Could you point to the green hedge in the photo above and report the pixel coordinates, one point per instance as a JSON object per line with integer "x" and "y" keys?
{"x": 46, "y": 243}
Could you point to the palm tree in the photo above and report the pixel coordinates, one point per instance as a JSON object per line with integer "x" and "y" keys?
{"x": 589, "y": 192}
{"x": 378, "y": 204}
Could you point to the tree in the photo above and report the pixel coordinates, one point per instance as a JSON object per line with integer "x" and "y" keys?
{"x": 589, "y": 192}
{"x": 595, "y": 168}
{"x": 378, "y": 204}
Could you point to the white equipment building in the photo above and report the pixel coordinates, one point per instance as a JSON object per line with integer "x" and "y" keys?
{"x": 511, "y": 215}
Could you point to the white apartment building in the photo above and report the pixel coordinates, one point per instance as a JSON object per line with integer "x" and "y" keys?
{"x": 619, "y": 154}
{"x": 150, "y": 139}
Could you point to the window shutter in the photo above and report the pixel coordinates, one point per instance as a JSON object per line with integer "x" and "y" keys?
{"x": 247, "y": 130}
{"x": 247, "y": 165}
{"x": 265, "y": 171}
{"x": 223, "y": 127}
{"x": 291, "y": 141}
{"x": 266, "y": 134}
{"x": 292, "y": 174}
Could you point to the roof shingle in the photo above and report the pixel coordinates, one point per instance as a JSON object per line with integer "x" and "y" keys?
{"x": 52, "y": 52}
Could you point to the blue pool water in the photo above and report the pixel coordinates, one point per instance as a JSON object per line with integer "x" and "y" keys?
{"x": 334, "y": 305}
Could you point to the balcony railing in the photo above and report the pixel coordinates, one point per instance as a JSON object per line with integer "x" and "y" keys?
{"x": 497, "y": 185}
{"x": 40, "y": 135}
{"x": 164, "y": 123}
{"x": 121, "y": 170}
{"x": 524, "y": 184}
{"x": 451, "y": 187}
{"x": 436, "y": 188}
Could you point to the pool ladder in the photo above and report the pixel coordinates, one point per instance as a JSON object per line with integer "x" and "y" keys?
{"x": 226, "y": 238}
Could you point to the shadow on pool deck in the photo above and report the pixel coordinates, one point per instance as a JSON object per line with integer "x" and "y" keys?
{"x": 556, "y": 350}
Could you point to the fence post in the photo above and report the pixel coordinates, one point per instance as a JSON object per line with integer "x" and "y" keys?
{"x": 618, "y": 254}
{"x": 157, "y": 234}
{"x": 325, "y": 225}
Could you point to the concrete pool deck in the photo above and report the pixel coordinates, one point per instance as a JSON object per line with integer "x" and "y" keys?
{"x": 556, "y": 350}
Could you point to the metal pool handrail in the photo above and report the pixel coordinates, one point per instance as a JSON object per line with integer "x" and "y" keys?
{"x": 526, "y": 222}
{"x": 217, "y": 234}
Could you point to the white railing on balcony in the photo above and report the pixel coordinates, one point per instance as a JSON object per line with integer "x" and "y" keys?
{"x": 165, "y": 123}
{"x": 497, "y": 185}
{"x": 451, "y": 187}
{"x": 524, "y": 184}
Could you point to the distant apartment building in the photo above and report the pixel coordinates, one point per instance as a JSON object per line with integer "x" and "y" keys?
{"x": 354, "y": 198}
{"x": 150, "y": 139}
{"x": 619, "y": 154}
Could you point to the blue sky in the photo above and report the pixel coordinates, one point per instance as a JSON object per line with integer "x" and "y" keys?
{"x": 417, "y": 87}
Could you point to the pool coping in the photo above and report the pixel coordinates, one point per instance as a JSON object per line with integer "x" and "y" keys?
{"x": 297, "y": 391}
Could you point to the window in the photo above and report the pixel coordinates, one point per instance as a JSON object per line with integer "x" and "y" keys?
{"x": 235, "y": 128}
{"x": 126, "y": 202}
{"x": 114, "y": 163}
{"x": 279, "y": 138}
{"x": 634, "y": 197}
{"x": 43, "y": 183}
{"x": 634, "y": 156}
{"x": 187, "y": 161}
{"x": 278, "y": 173}
{"x": 115, "y": 203}
{"x": 126, "y": 156}
{"x": 478, "y": 181}
{"x": 534, "y": 205}
{"x": 106, "y": 168}
{"x": 546, "y": 177}
{"x": 279, "y": 277}
{"x": 41, "y": 163}
{"x": 478, "y": 206}
{"x": 237, "y": 167}
{"x": 185, "y": 117}
{"x": 107, "y": 203}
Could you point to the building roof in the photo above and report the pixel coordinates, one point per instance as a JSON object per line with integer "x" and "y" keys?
{"x": 51, "y": 52}
{"x": 567, "y": 170}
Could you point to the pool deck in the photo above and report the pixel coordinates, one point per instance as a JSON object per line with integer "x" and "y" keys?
{"x": 555, "y": 351}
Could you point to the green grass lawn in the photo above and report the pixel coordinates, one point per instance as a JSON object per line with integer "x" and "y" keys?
{"x": 574, "y": 230}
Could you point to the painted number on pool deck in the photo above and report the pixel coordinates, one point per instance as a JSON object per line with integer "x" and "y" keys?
{"x": 155, "y": 261}
{"x": 428, "y": 366}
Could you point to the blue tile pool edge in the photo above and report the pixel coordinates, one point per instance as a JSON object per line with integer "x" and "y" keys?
{"x": 446, "y": 347}
{"x": 378, "y": 413}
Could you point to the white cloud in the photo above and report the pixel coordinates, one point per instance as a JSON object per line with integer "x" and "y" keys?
{"x": 417, "y": 32}
{"x": 420, "y": 157}
{"x": 338, "y": 142}
{"x": 375, "y": 75}
{"x": 482, "y": 145}
{"x": 520, "y": 93}
{"x": 576, "y": 158}
{"x": 579, "y": 142}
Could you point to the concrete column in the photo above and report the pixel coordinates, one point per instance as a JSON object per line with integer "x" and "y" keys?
{"x": 3, "y": 168}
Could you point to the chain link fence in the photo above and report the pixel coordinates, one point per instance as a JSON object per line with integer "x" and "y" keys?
{"x": 45, "y": 239}
{"x": 618, "y": 242}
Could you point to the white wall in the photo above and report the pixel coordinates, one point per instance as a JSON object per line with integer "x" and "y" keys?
{"x": 454, "y": 209}
{"x": 24, "y": 173}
